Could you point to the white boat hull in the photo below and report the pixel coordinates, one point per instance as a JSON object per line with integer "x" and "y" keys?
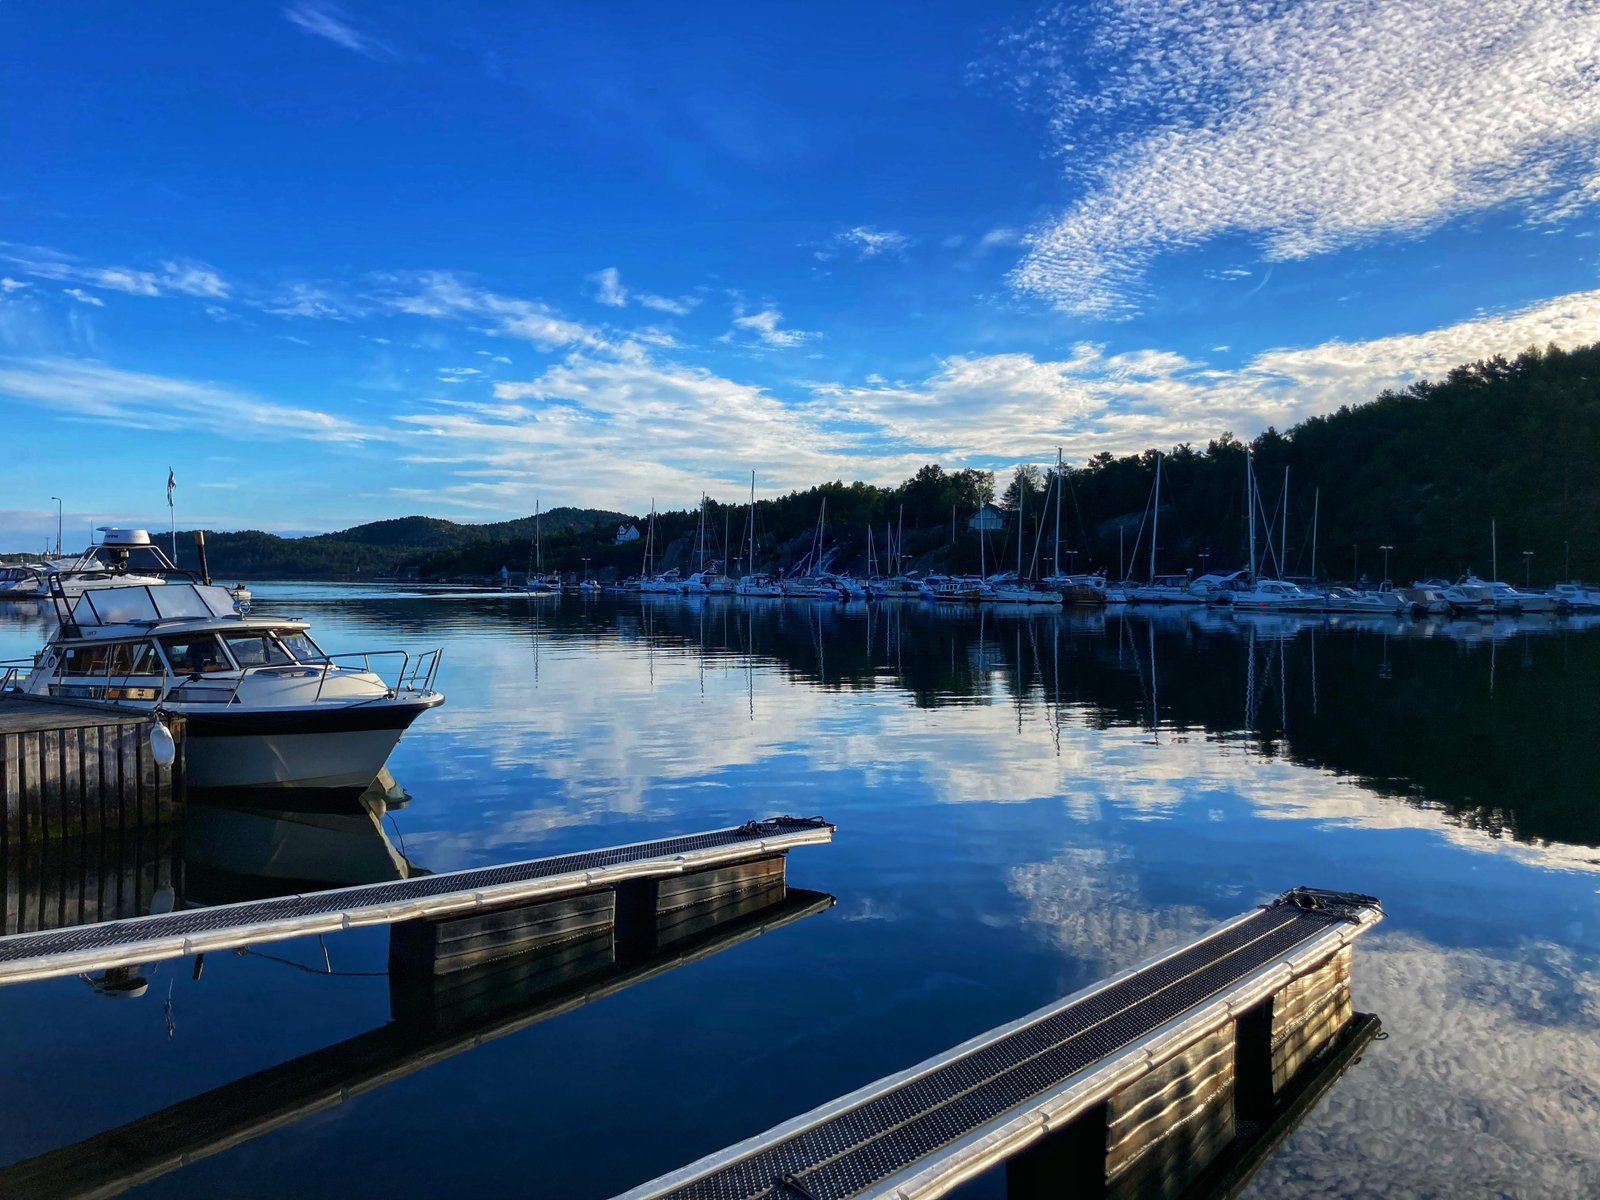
{"x": 312, "y": 761}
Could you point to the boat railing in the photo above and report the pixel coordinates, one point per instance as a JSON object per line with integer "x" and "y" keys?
{"x": 413, "y": 674}
{"x": 12, "y": 671}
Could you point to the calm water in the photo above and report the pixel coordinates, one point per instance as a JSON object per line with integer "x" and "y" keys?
{"x": 1025, "y": 803}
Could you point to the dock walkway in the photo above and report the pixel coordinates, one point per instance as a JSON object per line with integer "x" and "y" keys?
{"x": 137, "y": 940}
{"x": 1183, "y": 1051}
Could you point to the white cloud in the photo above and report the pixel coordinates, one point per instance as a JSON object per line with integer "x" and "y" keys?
{"x": 608, "y": 287}
{"x": 679, "y": 306}
{"x": 83, "y": 297}
{"x": 1013, "y": 406}
{"x": 764, "y": 325}
{"x": 870, "y": 242}
{"x": 7, "y": 284}
{"x": 457, "y": 374}
{"x": 442, "y": 294}
{"x": 329, "y": 22}
{"x": 181, "y": 277}
{"x": 1307, "y": 127}
{"x": 313, "y": 302}
{"x": 82, "y": 388}
{"x": 614, "y": 432}
{"x": 1004, "y": 235}
{"x": 493, "y": 357}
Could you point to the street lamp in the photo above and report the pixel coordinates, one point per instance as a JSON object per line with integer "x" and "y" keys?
{"x": 1205, "y": 560}
{"x": 1527, "y": 568}
{"x": 59, "y": 513}
{"x": 1386, "y": 550}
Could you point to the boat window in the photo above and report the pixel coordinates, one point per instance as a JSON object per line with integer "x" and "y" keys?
{"x": 257, "y": 649}
{"x": 179, "y": 600}
{"x": 124, "y": 606}
{"x": 302, "y": 647}
{"x": 85, "y": 660}
{"x": 194, "y": 654}
{"x": 134, "y": 658}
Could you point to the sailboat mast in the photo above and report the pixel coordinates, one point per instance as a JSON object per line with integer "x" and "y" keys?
{"x": 1316, "y": 511}
{"x": 1022, "y": 504}
{"x": 1494, "y": 552}
{"x": 900, "y": 540}
{"x": 1283, "y": 534}
{"x": 1250, "y": 504}
{"x": 1059, "y": 473}
{"x": 1155, "y": 523}
{"x": 750, "y": 566}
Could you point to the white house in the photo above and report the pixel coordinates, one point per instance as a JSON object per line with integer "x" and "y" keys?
{"x": 987, "y": 519}
{"x": 627, "y": 533}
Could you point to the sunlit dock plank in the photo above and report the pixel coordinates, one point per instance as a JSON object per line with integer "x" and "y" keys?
{"x": 139, "y": 940}
{"x": 1153, "y": 1070}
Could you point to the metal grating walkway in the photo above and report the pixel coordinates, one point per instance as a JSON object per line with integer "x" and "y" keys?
{"x": 845, "y": 1149}
{"x": 226, "y": 926}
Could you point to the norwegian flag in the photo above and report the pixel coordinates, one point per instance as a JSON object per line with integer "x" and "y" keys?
{"x": 171, "y": 483}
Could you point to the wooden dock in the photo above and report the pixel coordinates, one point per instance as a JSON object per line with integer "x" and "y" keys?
{"x": 432, "y": 1018}
{"x": 69, "y": 769}
{"x": 1170, "y": 1079}
{"x": 473, "y": 915}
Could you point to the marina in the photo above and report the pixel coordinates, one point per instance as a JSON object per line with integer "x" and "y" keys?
{"x": 1040, "y": 797}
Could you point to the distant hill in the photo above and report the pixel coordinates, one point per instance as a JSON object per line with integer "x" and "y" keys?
{"x": 378, "y": 547}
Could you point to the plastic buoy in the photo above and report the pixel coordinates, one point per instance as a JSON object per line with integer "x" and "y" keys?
{"x": 162, "y": 747}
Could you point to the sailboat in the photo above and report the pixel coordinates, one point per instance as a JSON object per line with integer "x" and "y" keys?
{"x": 1162, "y": 589}
{"x": 1015, "y": 587}
{"x": 756, "y": 584}
{"x": 539, "y": 584}
{"x": 666, "y": 583}
{"x": 1256, "y": 594}
{"x": 1087, "y": 590}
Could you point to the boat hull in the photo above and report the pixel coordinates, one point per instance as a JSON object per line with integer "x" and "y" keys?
{"x": 295, "y": 751}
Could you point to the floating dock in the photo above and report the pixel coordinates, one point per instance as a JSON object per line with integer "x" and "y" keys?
{"x": 69, "y": 769}
{"x": 432, "y": 1018}
{"x": 1160, "y": 1081}
{"x": 472, "y": 915}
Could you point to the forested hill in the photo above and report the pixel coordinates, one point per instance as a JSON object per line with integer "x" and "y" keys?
{"x": 381, "y": 547}
{"x": 1423, "y": 471}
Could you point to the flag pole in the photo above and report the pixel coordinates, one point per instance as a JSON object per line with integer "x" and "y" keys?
{"x": 172, "y": 515}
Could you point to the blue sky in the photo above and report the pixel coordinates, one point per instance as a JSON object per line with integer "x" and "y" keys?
{"x": 340, "y": 262}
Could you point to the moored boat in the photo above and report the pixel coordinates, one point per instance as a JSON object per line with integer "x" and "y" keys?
{"x": 265, "y": 708}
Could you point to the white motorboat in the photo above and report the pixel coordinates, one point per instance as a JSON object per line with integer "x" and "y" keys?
{"x": 1381, "y": 602}
{"x": 1276, "y": 595}
{"x": 120, "y": 557}
{"x": 265, "y": 709}
{"x": 1009, "y": 588}
{"x": 666, "y": 584}
{"x": 1165, "y": 589}
{"x": 1579, "y": 597}
{"x": 760, "y": 585}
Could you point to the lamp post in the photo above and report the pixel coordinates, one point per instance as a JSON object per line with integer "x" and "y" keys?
{"x": 1386, "y": 550}
{"x": 1205, "y": 561}
{"x": 60, "y": 511}
{"x": 585, "y": 578}
{"x": 1527, "y": 568}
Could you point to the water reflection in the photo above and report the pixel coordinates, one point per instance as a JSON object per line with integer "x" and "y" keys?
{"x": 1026, "y": 803}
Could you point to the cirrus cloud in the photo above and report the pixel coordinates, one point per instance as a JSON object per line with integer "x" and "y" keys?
{"x": 1306, "y": 128}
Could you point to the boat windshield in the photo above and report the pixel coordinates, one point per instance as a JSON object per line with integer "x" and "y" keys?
{"x": 194, "y": 654}
{"x": 301, "y": 646}
{"x": 257, "y": 649}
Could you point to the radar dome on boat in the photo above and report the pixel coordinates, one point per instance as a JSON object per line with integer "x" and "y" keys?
{"x": 123, "y": 537}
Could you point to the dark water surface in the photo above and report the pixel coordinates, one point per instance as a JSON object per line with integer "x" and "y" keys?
{"x": 1025, "y": 802}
